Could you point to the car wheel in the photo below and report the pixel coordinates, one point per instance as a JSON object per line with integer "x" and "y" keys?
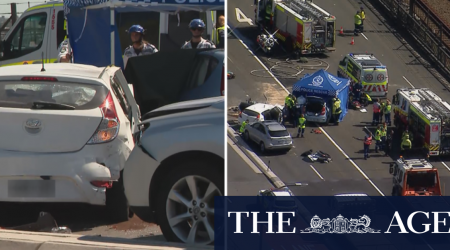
{"x": 246, "y": 136}
{"x": 186, "y": 202}
{"x": 262, "y": 147}
{"x": 116, "y": 202}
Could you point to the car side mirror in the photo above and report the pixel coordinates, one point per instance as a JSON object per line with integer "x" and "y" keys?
{"x": 391, "y": 168}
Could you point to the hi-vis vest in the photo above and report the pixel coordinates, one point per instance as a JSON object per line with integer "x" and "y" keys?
{"x": 376, "y": 108}
{"x": 368, "y": 140}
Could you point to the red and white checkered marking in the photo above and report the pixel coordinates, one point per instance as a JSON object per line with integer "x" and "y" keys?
{"x": 375, "y": 88}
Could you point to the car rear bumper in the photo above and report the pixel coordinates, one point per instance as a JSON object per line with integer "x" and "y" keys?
{"x": 318, "y": 119}
{"x": 60, "y": 177}
{"x": 280, "y": 147}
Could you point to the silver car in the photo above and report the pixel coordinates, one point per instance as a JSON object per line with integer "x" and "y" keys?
{"x": 269, "y": 135}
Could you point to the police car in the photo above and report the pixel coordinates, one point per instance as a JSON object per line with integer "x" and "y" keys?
{"x": 366, "y": 69}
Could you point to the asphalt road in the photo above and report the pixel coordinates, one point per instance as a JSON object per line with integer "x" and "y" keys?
{"x": 243, "y": 180}
{"x": 341, "y": 175}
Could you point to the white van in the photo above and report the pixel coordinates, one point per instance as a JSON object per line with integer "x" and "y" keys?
{"x": 42, "y": 28}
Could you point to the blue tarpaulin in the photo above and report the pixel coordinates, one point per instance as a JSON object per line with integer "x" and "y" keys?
{"x": 91, "y": 27}
{"x": 325, "y": 85}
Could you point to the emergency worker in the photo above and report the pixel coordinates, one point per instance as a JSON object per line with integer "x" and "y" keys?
{"x": 220, "y": 33}
{"x": 376, "y": 112}
{"x": 197, "y": 26}
{"x": 363, "y": 15}
{"x": 378, "y": 139}
{"x": 387, "y": 112}
{"x": 388, "y": 145}
{"x": 382, "y": 106}
{"x": 301, "y": 125}
{"x": 139, "y": 46}
{"x": 357, "y": 87}
{"x": 367, "y": 143}
{"x": 64, "y": 55}
{"x": 336, "y": 110}
{"x": 242, "y": 128}
{"x": 383, "y": 136}
{"x": 358, "y": 22}
{"x": 406, "y": 144}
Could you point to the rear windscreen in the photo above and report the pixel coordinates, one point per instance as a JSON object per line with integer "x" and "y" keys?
{"x": 374, "y": 76}
{"x": 24, "y": 94}
{"x": 281, "y": 133}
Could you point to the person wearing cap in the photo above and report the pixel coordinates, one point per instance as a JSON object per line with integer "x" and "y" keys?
{"x": 363, "y": 15}
{"x": 197, "y": 26}
{"x": 358, "y": 22}
{"x": 139, "y": 46}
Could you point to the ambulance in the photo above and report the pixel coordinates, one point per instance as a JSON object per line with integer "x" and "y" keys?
{"x": 36, "y": 35}
{"x": 366, "y": 69}
{"x": 40, "y": 30}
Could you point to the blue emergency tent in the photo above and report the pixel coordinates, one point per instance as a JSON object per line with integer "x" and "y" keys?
{"x": 92, "y": 29}
{"x": 325, "y": 85}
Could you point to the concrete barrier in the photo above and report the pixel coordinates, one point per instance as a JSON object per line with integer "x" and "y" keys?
{"x": 10, "y": 239}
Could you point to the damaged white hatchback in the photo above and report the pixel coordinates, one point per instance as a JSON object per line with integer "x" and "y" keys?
{"x": 66, "y": 134}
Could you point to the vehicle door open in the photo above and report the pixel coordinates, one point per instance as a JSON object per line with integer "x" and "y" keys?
{"x": 274, "y": 114}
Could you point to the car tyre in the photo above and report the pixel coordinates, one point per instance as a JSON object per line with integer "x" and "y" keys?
{"x": 197, "y": 175}
{"x": 116, "y": 202}
{"x": 246, "y": 136}
{"x": 262, "y": 147}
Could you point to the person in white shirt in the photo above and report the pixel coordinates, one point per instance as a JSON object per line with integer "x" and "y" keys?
{"x": 139, "y": 47}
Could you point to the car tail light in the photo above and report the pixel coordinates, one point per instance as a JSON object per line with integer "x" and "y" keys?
{"x": 222, "y": 84}
{"x": 258, "y": 116}
{"x": 39, "y": 78}
{"x": 323, "y": 111}
{"x": 240, "y": 114}
{"x": 109, "y": 126}
{"x": 106, "y": 184}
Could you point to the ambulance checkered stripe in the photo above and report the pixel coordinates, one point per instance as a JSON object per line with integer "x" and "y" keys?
{"x": 375, "y": 88}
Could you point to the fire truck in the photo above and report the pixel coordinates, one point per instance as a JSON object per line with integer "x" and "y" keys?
{"x": 300, "y": 25}
{"x": 415, "y": 177}
{"x": 427, "y": 118}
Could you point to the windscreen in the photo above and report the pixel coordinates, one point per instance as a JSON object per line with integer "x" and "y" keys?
{"x": 16, "y": 94}
{"x": 421, "y": 179}
{"x": 281, "y": 133}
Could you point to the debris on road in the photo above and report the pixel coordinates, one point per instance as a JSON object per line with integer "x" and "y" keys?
{"x": 319, "y": 156}
{"x": 44, "y": 223}
{"x": 230, "y": 75}
{"x": 316, "y": 131}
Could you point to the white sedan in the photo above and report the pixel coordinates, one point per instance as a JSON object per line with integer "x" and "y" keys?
{"x": 178, "y": 167}
{"x": 66, "y": 134}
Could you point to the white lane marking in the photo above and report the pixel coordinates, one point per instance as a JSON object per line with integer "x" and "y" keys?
{"x": 317, "y": 172}
{"x": 445, "y": 165}
{"x": 351, "y": 161}
{"x": 230, "y": 59}
{"x": 410, "y": 84}
{"x": 243, "y": 156}
{"x": 242, "y": 18}
{"x": 323, "y": 131}
{"x": 364, "y": 36}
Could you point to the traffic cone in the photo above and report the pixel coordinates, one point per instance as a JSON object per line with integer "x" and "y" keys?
{"x": 352, "y": 42}
{"x": 341, "y": 32}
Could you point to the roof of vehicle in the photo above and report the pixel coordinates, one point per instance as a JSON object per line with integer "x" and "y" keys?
{"x": 427, "y": 102}
{"x": 281, "y": 193}
{"x": 44, "y": 5}
{"x": 260, "y": 107}
{"x": 366, "y": 60}
{"x": 276, "y": 127}
{"x": 414, "y": 164}
{"x": 53, "y": 70}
